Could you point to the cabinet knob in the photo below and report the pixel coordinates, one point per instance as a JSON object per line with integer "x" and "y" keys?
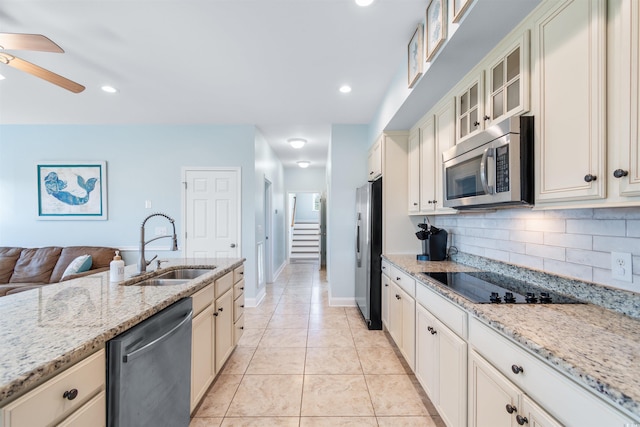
{"x": 221, "y": 309}
{"x": 511, "y": 409}
{"x": 397, "y": 296}
{"x": 589, "y": 178}
{"x": 70, "y": 394}
{"x": 386, "y": 285}
{"x": 476, "y": 123}
{"x": 242, "y": 288}
{"x": 516, "y": 369}
{"x": 233, "y": 245}
{"x": 619, "y": 173}
{"x": 430, "y": 201}
{"x": 415, "y": 204}
{"x": 433, "y": 331}
{"x": 486, "y": 118}
{"x": 398, "y": 278}
{"x": 434, "y": 202}
{"x": 241, "y": 327}
{"x": 384, "y": 267}
{"x": 242, "y": 305}
{"x": 521, "y": 420}
{"x": 371, "y": 173}
{"x": 215, "y": 314}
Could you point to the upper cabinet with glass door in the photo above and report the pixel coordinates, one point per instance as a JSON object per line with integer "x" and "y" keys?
{"x": 470, "y": 108}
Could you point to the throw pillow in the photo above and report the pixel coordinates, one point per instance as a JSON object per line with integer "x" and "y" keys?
{"x": 78, "y": 265}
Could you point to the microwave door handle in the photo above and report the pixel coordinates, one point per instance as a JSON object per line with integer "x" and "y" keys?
{"x": 484, "y": 170}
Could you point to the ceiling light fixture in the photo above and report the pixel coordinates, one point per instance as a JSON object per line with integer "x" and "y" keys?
{"x": 345, "y": 89}
{"x": 2, "y": 77}
{"x": 109, "y": 89}
{"x": 304, "y": 164}
{"x": 364, "y": 3}
{"x": 297, "y": 142}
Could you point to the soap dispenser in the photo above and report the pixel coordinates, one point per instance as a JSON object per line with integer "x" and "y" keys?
{"x": 116, "y": 268}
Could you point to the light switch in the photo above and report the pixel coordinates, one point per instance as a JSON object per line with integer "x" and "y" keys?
{"x": 147, "y": 204}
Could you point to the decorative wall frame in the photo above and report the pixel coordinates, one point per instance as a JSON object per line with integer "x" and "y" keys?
{"x": 459, "y": 7}
{"x": 436, "y": 27}
{"x": 415, "y": 56}
{"x": 72, "y": 190}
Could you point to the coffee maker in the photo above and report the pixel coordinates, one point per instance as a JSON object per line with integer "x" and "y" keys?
{"x": 434, "y": 243}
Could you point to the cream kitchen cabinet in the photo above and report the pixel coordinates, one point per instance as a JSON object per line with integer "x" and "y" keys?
{"x": 413, "y": 167}
{"x": 569, "y": 101}
{"x": 557, "y": 397}
{"x": 238, "y": 304}
{"x": 441, "y": 354}
{"x": 386, "y": 285}
{"x": 470, "y": 108}
{"x": 223, "y": 313}
{"x": 496, "y": 402}
{"x": 374, "y": 160}
{"x": 402, "y": 314}
{"x": 73, "y": 397}
{"x": 203, "y": 367}
{"x": 436, "y": 133}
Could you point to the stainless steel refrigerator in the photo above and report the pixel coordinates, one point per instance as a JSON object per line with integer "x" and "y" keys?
{"x": 368, "y": 290}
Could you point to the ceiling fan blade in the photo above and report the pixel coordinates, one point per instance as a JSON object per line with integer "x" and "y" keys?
{"x": 37, "y": 71}
{"x": 13, "y": 41}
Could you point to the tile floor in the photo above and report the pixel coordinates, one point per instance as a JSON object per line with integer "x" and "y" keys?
{"x": 303, "y": 363}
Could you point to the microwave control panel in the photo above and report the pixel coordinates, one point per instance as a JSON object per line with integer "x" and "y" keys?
{"x": 502, "y": 169}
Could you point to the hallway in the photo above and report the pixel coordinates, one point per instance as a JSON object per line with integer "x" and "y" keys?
{"x": 303, "y": 363}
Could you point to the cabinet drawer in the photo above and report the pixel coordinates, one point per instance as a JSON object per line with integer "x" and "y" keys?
{"x": 224, "y": 283}
{"x": 566, "y": 400}
{"x": 93, "y": 413}
{"x": 45, "y": 404}
{"x": 446, "y": 311}
{"x": 238, "y": 274}
{"x": 386, "y": 267}
{"x": 405, "y": 281}
{"x": 238, "y": 329}
{"x": 238, "y": 307}
{"x": 202, "y": 299}
{"x": 238, "y": 289}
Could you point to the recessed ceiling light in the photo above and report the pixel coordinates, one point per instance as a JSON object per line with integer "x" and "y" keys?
{"x": 109, "y": 89}
{"x": 2, "y": 77}
{"x": 297, "y": 142}
{"x": 364, "y": 2}
{"x": 345, "y": 89}
{"x": 304, "y": 164}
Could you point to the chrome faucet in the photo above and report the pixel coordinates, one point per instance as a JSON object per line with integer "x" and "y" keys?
{"x": 142, "y": 262}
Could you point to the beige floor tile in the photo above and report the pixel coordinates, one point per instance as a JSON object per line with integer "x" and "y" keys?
{"x": 324, "y": 309}
{"x": 267, "y": 395}
{"x": 261, "y": 422}
{"x": 289, "y": 321}
{"x": 324, "y": 321}
{"x": 284, "y": 338}
{"x": 364, "y": 338}
{"x": 332, "y": 361}
{"x": 357, "y": 323}
{"x": 396, "y": 395}
{"x": 256, "y": 321}
{"x": 250, "y": 337}
{"x": 239, "y": 360}
{"x": 407, "y": 422}
{"x": 295, "y": 299}
{"x": 335, "y": 395}
{"x": 205, "y": 422}
{"x": 298, "y": 290}
{"x": 277, "y": 360}
{"x": 330, "y": 338}
{"x": 381, "y": 361}
{"x": 264, "y": 309}
{"x": 338, "y": 422}
{"x": 217, "y": 400}
{"x": 292, "y": 309}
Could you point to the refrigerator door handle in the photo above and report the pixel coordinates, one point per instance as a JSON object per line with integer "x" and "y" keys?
{"x": 358, "y": 250}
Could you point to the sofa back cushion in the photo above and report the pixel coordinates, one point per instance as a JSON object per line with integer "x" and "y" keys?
{"x": 100, "y": 256}
{"x": 35, "y": 265}
{"x": 8, "y": 258}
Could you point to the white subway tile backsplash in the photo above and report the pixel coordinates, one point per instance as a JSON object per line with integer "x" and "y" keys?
{"x": 596, "y": 227}
{"x": 497, "y": 254}
{"x": 616, "y": 213}
{"x": 552, "y": 252}
{"x": 603, "y": 277}
{"x": 569, "y": 213}
{"x": 568, "y": 269}
{"x": 616, "y": 244}
{"x": 527, "y": 236}
{"x": 547, "y": 225}
{"x": 579, "y": 241}
{"x": 592, "y": 258}
{"x": 527, "y": 261}
{"x": 633, "y": 228}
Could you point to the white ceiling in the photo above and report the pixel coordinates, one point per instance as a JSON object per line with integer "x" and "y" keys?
{"x": 277, "y": 64}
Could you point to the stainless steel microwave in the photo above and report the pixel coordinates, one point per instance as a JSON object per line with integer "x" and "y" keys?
{"x": 491, "y": 169}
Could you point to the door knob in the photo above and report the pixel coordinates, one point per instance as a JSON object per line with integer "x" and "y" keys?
{"x": 233, "y": 245}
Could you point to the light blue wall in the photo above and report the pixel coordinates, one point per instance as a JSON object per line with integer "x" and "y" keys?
{"x": 304, "y": 208}
{"x": 143, "y": 163}
{"x": 310, "y": 180}
{"x": 347, "y": 170}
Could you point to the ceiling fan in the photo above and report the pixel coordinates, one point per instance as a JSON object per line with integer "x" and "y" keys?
{"x": 37, "y": 42}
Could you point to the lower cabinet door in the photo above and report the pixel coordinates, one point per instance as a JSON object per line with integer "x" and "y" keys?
{"x": 224, "y": 328}
{"x": 203, "y": 367}
{"x": 426, "y": 352}
{"x": 452, "y": 365}
{"x": 534, "y": 416}
{"x": 385, "y": 300}
{"x": 93, "y": 413}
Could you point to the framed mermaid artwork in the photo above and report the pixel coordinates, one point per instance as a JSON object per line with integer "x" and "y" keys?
{"x": 72, "y": 190}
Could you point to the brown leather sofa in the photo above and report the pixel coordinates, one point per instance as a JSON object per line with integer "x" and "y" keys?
{"x": 22, "y": 269}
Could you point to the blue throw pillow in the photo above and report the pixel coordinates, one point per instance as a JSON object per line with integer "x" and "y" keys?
{"x": 78, "y": 265}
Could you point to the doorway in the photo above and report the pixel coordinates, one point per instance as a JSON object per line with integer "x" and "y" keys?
{"x": 211, "y": 212}
{"x": 305, "y": 227}
{"x": 268, "y": 230}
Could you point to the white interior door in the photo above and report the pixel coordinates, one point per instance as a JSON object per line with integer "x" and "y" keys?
{"x": 212, "y": 213}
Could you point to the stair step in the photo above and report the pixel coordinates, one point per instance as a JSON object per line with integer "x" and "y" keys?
{"x": 306, "y": 244}
{"x": 311, "y": 225}
{"x": 304, "y": 256}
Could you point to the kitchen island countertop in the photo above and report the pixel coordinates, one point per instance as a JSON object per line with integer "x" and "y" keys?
{"x": 597, "y": 347}
{"x": 43, "y": 331}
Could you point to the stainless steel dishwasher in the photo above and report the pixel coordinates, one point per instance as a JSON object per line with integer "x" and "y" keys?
{"x": 149, "y": 371}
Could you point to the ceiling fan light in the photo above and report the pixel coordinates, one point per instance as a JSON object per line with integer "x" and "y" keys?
{"x": 304, "y": 164}
{"x": 364, "y": 3}
{"x": 2, "y": 77}
{"x": 297, "y": 142}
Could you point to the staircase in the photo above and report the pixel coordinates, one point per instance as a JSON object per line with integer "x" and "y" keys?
{"x": 305, "y": 242}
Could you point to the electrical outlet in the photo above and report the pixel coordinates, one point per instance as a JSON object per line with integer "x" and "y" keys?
{"x": 621, "y": 266}
{"x": 147, "y": 204}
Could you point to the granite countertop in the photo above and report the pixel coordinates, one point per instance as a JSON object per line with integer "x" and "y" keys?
{"x": 595, "y": 346}
{"x": 43, "y": 331}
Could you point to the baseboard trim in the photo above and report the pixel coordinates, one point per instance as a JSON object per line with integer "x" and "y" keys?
{"x": 342, "y": 302}
{"x": 254, "y": 302}
{"x": 279, "y": 270}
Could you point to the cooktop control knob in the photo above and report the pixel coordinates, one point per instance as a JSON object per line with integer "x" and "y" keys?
{"x": 545, "y": 298}
{"x": 495, "y": 298}
{"x": 509, "y": 298}
{"x": 531, "y": 298}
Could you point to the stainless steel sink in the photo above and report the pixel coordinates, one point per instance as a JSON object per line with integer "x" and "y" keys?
{"x": 155, "y": 281}
{"x": 184, "y": 273}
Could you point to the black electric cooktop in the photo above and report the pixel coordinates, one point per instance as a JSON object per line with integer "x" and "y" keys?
{"x": 492, "y": 288}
